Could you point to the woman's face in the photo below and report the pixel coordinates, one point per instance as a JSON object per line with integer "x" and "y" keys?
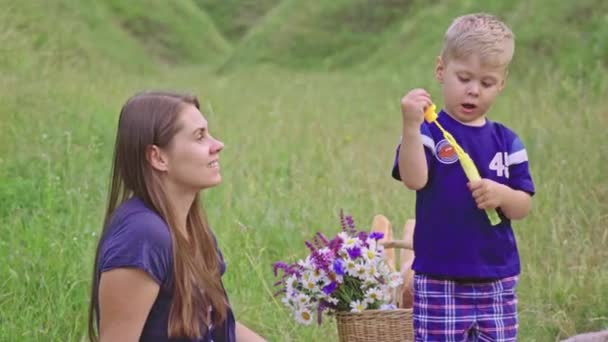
{"x": 193, "y": 156}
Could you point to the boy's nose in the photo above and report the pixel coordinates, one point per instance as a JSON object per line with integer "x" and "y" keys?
{"x": 473, "y": 89}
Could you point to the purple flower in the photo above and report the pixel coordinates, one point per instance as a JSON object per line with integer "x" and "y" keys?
{"x": 335, "y": 245}
{"x": 363, "y": 236}
{"x": 310, "y": 246}
{"x": 331, "y": 287}
{"x": 350, "y": 222}
{"x": 288, "y": 270}
{"x": 323, "y": 239}
{"x": 347, "y": 222}
{"x": 322, "y": 306}
{"x": 376, "y": 236}
{"x": 321, "y": 260}
{"x": 343, "y": 222}
{"x": 354, "y": 252}
{"x": 339, "y": 267}
{"x": 279, "y": 265}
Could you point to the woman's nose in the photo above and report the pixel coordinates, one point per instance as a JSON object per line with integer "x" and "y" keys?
{"x": 217, "y": 146}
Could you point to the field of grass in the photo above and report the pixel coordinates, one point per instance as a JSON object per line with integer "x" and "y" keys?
{"x": 304, "y": 138}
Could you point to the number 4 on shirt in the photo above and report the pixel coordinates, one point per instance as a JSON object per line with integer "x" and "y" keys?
{"x": 500, "y": 164}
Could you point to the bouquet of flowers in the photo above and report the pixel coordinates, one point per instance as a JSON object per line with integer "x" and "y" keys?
{"x": 345, "y": 274}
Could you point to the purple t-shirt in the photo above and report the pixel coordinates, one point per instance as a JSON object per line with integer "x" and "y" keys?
{"x": 453, "y": 238}
{"x": 138, "y": 237}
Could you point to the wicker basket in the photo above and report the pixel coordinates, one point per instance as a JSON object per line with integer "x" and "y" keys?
{"x": 375, "y": 325}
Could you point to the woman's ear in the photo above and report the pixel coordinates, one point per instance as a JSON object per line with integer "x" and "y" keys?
{"x": 439, "y": 69}
{"x": 156, "y": 158}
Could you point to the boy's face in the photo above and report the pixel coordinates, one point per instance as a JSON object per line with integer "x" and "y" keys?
{"x": 469, "y": 87}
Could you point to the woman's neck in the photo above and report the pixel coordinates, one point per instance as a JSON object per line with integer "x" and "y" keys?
{"x": 180, "y": 201}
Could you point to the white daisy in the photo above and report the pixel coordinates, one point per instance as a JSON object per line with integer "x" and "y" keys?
{"x": 310, "y": 276}
{"x": 317, "y": 274}
{"x": 351, "y": 267}
{"x": 302, "y": 300}
{"x": 304, "y": 316}
{"x": 383, "y": 269}
{"x": 369, "y": 283}
{"x": 395, "y": 279}
{"x": 332, "y": 300}
{"x": 360, "y": 271}
{"x": 372, "y": 271}
{"x": 291, "y": 282}
{"x": 350, "y": 241}
{"x": 358, "y": 306}
{"x": 369, "y": 254}
{"x": 343, "y": 236}
{"x": 373, "y": 244}
{"x": 306, "y": 264}
{"x": 373, "y": 295}
{"x": 310, "y": 285}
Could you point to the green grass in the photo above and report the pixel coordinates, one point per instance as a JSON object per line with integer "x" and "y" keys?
{"x": 234, "y": 18}
{"x": 331, "y": 35}
{"x": 173, "y": 32}
{"x": 300, "y": 145}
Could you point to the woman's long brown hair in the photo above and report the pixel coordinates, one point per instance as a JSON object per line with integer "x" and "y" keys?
{"x": 152, "y": 119}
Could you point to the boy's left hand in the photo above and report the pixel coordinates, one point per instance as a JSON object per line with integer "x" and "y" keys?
{"x": 487, "y": 193}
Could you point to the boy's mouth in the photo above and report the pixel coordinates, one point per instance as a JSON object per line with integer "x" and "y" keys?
{"x": 468, "y": 107}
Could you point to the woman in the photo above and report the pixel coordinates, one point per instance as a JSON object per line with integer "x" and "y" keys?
{"x": 158, "y": 269}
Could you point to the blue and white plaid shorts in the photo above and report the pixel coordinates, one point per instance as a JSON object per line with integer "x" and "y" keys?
{"x": 455, "y": 311}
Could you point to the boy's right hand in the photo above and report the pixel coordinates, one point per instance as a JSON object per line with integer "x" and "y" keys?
{"x": 413, "y": 105}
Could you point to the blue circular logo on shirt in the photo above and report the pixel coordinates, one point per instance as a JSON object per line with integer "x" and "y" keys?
{"x": 445, "y": 153}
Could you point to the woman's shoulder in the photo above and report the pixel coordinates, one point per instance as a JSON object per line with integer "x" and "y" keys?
{"x": 134, "y": 221}
{"x": 135, "y": 227}
{"x": 137, "y": 236}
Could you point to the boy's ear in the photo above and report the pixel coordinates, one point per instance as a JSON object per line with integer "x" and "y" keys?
{"x": 156, "y": 158}
{"x": 439, "y": 69}
{"x": 501, "y": 86}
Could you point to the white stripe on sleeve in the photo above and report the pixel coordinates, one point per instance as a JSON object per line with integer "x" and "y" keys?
{"x": 518, "y": 157}
{"x": 429, "y": 143}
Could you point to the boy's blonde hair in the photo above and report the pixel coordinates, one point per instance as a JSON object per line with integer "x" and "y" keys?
{"x": 481, "y": 34}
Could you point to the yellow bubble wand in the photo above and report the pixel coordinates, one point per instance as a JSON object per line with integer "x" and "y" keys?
{"x": 465, "y": 161}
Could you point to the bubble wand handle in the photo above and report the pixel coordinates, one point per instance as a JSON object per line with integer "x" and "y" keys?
{"x": 468, "y": 166}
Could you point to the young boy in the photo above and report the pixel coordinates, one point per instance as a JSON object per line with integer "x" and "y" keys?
{"x": 466, "y": 269}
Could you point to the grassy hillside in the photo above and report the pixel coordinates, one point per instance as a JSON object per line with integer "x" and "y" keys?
{"x": 312, "y": 34}
{"x": 175, "y": 32}
{"x": 59, "y": 36}
{"x": 568, "y": 36}
{"x": 398, "y": 33}
{"x": 64, "y": 35}
{"x": 234, "y": 18}
{"x": 308, "y": 107}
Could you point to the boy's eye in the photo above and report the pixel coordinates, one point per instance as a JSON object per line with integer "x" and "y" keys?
{"x": 463, "y": 79}
{"x": 487, "y": 84}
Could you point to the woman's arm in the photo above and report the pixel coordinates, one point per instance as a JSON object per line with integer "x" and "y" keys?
{"x": 126, "y": 296}
{"x": 244, "y": 334}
